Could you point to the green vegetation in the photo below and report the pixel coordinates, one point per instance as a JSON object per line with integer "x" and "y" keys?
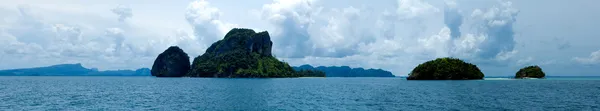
{"x": 243, "y": 53}
{"x": 445, "y": 69}
{"x": 530, "y": 72}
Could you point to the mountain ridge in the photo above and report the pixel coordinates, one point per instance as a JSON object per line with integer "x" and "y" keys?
{"x": 346, "y": 71}
{"x": 76, "y": 69}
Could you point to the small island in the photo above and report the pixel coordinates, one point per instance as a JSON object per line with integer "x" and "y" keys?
{"x": 445, "y": 69}
{"x": 173, "y": 62}
{"x": 242, "y": 53}
{"x": 530, "y": 72}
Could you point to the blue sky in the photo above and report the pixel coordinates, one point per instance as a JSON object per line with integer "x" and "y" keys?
{"x": 500, "y": 36}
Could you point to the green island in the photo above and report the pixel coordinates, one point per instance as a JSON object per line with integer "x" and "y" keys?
{"x": 530, "y": 72}
{"x": 242, "y": 53}
{"x": 445, "y": 69}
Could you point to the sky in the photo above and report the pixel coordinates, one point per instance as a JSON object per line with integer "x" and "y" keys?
{"x": 499, "y": 36}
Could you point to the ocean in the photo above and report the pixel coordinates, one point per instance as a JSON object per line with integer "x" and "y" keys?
{"x": 361, "y": 94}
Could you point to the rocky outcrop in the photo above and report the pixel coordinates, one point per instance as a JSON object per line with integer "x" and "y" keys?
{"x": 244, "y": 40}
{"x": 173, "y": 62}
{"x": 445, "y": 69}
{"x": 241, "y": 53}
{"x": 530, "y": 72}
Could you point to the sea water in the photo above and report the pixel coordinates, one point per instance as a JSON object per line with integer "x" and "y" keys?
{"x": 363, "y": 94}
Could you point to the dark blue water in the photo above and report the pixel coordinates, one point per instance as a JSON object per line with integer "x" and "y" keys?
{"x": 148, "y": 93}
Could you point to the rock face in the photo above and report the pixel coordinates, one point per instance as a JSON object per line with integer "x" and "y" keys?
{"x": 445, "y": 69}
{"x": 530, "y": 72}
{"x": 241, "y": 53}
{"x": 243, "y": 39}
{"x": 171, "y": 63}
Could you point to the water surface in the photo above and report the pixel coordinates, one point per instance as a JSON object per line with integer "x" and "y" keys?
{"x": 149, "y": 93}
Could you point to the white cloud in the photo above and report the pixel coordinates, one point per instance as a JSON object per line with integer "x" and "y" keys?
{"x": 408, "y": 9}
{"x": 594, "y": 58}
{"x": 123, "y": 12}
{"x": 292, "y": 20}
{"x": 437, "y": 44}
{"x": 496, "y": 25}
{"x": 32, "y": 36}
{"x": 204, "y": 19}
{"x": 67, "y": 33}
{"x": 491, "y": 37}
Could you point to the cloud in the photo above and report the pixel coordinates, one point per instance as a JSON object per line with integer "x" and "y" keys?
{"x": 65, "y": 33}
{"x": 123, "y": 12}
{"x": 204, "y": 19}
{"x": 490, "y": 40}
{"x": 345, "y": 32}
{"x": 594, "y": 58}
{"x": 408, "y": 9}
{"x": 496, "y": 26}
{"x": 117, "y": 37}
{"x": 453, "y": 19}
{"x": 350, "y": 35}
{"x": 303, "y": 28}
{"x": 30, "y": 37}
{"x": 292, "y": 20}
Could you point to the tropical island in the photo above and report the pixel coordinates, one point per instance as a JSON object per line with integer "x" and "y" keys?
{"x": 530, "y": 72}
{"x": 445, "y": 69}
{"x": 173, "y": 62}
{"x": 242, "y": 53}
{"x": 345, "y": 71}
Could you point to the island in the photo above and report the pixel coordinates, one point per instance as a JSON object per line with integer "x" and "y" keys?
{"x": 530, "y": 72}
{"x": 72, "y": 70}
{"x": 173, "y": 62}
{"x": 345, "y": 71}
{"x": 445, "y": 69}
{"x": 242, "y": 53}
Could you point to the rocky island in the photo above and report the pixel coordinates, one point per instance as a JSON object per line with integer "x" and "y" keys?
{"x": 530, "y": 72}
{"x": 173, "y": 62}
{"x": 445, "y": 69}
{"x": 242, "y": 53}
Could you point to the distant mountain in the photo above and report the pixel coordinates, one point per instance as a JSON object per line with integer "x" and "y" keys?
{"x": 345, "y": 71}
{"x": 72, "y": 70}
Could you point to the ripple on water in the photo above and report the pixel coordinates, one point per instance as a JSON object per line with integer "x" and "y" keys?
{"x": 148, "y": 93}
